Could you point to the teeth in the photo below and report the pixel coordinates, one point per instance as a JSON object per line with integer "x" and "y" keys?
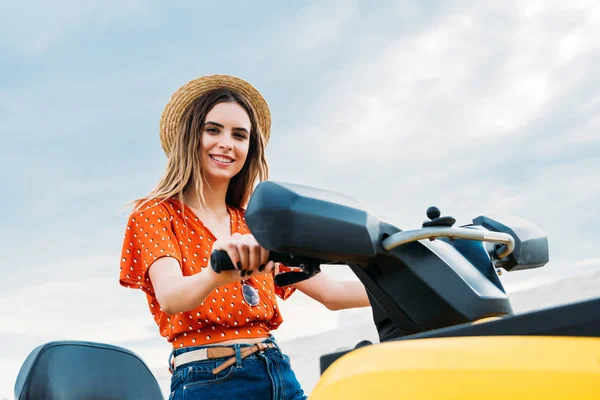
{"x": 221, "y": 159}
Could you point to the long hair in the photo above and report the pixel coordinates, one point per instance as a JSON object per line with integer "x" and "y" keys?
{"x": 184, "y": 170}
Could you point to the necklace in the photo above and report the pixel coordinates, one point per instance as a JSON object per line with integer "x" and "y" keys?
{"x": 250, "y": 294}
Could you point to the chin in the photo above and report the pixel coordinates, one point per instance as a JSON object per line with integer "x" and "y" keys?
{"x": 219, "y": 176}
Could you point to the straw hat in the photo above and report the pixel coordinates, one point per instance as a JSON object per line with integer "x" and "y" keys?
{"x": 185, "y": 95}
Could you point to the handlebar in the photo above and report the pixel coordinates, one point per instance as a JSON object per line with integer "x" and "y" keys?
{"x": 309, "y": 267}
{"x": 431, "y": 233}
{"x": 220, "y": 261}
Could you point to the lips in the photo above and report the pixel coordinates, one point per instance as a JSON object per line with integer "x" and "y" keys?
{"x": 222, "y": 158}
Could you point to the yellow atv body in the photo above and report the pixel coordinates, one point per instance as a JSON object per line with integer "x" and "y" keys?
{"x": 490, "y": 368}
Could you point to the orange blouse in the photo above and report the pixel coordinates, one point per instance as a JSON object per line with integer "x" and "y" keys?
{"x": 169, "y": 229}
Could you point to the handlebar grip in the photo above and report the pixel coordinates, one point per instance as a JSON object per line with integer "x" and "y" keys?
{"x": 220, "y": 261}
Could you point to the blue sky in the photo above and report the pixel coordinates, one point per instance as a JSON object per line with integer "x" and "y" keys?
{"x": 476, "y": 108}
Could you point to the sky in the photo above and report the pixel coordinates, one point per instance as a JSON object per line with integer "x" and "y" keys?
{"x": 476, "y": 107}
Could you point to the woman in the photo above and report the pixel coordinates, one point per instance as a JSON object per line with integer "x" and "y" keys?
{"x": 214, "y": 130}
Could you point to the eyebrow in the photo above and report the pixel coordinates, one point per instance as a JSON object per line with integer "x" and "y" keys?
{"x": 221, "y": 126}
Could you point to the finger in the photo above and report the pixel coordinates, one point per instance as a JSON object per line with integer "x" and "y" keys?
{"x": 242, "y": 248}
{"x": 262, "y": 254}
{"x": 253, "y": 255}
{"x": 233, "y": 253}
{"x": 269, "y": 267}
{"x": 264, "y": 259}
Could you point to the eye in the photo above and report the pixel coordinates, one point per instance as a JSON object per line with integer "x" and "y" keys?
{"x": 240, "y": 135}
{"x": 212, "y": 130}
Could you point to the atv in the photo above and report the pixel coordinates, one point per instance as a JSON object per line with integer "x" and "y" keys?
{"x": 445, "y": 323}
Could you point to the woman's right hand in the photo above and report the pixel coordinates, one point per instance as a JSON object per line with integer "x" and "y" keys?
{"x": 249, "y": 257}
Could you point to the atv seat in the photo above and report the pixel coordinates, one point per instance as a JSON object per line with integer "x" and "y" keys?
{"x": 70, "y": 370}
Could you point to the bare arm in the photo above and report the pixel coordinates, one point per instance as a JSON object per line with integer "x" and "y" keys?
{"x": 333, "y": 294}
{"x": 177, "y": 293}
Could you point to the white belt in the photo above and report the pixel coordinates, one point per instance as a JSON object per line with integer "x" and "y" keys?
{"x": 219, "y": 352}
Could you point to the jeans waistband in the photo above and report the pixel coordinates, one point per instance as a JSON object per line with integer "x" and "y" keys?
{"x": 236, "y": 347}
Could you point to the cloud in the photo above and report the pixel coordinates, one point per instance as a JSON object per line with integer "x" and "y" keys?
{"x": 9, "y": 369}
{"x": 31, "y": 29}
{"x": 89, "y": 308}
{"x": 464, "y": 78}
{"x": 590, "y": 262}
{"x": 320, "y": 24}
{"x": 488, "y": 109}
{"x": 522, "y": 280}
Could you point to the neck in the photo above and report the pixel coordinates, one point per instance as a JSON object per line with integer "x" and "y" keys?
{"x": 214, "y": 196}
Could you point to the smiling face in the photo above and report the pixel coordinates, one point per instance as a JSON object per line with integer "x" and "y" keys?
{"x": 225, "y": 142}
{"x": 218, "y": 144}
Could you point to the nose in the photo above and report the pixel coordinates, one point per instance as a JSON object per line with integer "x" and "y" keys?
{"x": 225, "y": 143}
{"x": 226, "y": 146}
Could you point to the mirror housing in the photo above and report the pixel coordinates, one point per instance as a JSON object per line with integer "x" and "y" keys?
{"x": 531, "y": 243}
{"x": 304, "y": 221}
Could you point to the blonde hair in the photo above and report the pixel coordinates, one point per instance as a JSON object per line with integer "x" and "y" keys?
{"x": 184, "y": 168}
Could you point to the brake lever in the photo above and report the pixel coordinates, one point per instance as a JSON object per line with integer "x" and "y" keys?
{"x": 289, "y": 278}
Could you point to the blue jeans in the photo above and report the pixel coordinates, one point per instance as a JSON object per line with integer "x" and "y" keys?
{"x": 260, "y": 376}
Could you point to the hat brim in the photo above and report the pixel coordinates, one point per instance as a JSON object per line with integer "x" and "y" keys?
{"x": 185, "y": 95}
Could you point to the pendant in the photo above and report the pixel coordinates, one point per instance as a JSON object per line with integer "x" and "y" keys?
{"x": 250, "y": 294}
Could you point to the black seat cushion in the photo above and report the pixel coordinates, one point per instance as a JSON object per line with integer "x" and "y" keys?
{"x": 70, "y": 370}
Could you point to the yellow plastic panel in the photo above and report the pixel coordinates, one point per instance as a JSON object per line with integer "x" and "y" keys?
{"x": 482, "y": 368}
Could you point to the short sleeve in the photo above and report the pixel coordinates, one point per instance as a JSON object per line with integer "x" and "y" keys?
{"x": 284, "y": 292}
{"x": 148, "y": 237}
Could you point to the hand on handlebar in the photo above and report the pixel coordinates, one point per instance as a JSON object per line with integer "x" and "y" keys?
{"x": 247, "y": 256}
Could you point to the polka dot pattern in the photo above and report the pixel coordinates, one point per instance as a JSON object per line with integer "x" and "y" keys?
{"x": 170, "y": 229}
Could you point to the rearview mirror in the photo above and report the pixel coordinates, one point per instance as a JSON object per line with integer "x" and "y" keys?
{"x": 531, "y": 243}
{"x": 305, "y": 221}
